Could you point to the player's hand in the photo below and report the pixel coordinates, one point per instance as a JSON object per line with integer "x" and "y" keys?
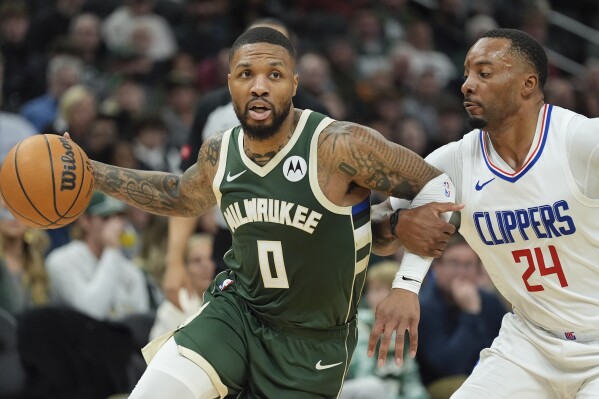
{"x": 175, "y": 278}
{"x": 399, "y": 312}
{"x": 422, "y": 231}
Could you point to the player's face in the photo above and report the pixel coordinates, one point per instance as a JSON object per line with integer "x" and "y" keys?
{"x": 491, "y": 82}
{"x": 262, "y": 83}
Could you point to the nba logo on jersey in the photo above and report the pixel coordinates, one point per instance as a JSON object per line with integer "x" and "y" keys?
{"x": 225, "y": 284}
{"x": 570, "y": 335}
{"x": 447, "y": 189}
{"x": 295, "y": 168}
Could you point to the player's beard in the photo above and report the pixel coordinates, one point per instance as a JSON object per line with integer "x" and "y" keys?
{"x": 263, "y": 131}
{"x": 477, "y": 122}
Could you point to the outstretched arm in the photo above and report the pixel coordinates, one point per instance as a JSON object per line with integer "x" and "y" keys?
{"x": 163, "y": 193}
{"x": 365, "y": 160}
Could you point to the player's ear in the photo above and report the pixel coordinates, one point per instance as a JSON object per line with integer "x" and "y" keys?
{"x": 295, "y": 83}
{"x": 531, "y": 84}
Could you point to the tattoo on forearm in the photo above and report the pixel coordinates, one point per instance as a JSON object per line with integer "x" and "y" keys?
{"x": 151, "y": 191}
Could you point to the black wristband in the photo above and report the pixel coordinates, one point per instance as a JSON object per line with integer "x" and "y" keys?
{"x": 393, "y": 219}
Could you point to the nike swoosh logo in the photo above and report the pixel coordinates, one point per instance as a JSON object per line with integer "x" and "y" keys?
{"x": 410, "y": 279}
{"x": 479, "y": 186}
{"x": 231, "y": 178}
{"x": 320, "y": 366}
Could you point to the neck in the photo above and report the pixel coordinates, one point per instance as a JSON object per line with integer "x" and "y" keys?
{"x": 262, "y": 151}
{"x": 513, "y": 138}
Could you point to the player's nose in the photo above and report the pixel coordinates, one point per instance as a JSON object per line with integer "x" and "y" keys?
{"x": 260, "y": 86}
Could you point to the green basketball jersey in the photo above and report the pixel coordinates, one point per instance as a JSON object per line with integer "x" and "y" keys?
{"x": 298, "y": 259}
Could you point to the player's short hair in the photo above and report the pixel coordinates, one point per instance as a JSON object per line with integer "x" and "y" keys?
{"x": 525, "y": 46}
{"x": 262, "y": 34}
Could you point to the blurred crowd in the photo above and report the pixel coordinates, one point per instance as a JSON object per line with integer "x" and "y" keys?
{"x": 125, "y": 78}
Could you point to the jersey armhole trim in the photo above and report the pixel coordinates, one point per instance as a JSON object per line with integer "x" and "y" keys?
{"x": 313, "y": 172}
{"x": 222, "y": 163}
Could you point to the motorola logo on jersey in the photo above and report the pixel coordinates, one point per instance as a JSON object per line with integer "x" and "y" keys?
{"x": 295, "y": 168}
{"x": 514, "y": 225}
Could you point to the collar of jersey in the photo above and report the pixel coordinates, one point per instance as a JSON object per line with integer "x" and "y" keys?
{"x": 532, "y": 158}
{"x": 264, "y": 170}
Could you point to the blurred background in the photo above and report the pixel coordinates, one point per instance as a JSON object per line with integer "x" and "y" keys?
{"x": 137, "y": 82}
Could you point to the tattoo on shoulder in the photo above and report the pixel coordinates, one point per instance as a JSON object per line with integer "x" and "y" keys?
{"x": 210, "y": 151}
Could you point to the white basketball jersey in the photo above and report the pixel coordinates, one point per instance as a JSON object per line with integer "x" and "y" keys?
{"x": 536, "y": 233}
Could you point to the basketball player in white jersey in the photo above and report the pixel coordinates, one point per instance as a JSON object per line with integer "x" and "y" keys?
{"x": 528, "y": 178}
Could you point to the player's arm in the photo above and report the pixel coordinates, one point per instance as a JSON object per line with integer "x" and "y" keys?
{"x": 189, "y": 194}
{"x": 365, "y": 160}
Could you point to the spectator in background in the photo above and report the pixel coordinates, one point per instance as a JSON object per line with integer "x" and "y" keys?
{"x": 411, "y": 134}
{"x": 53, "y": 23}
{"x": 151, "y": 144}
{"x": 118, "y": 29}
{"x": 425, "y": 58}
{"x": 316, "y": 80}
{"x": 201, "y": 268}
{"x": 63, "y": 72}
{"x": 102, "y": 136}
{"x": 344, "y": 72}
{"x": 178, "y": 111}
{"x": 370, "y": 41}
{"x": 561, "y": 92}
{"x": 590, "y": 88}
{"x": 364, "y": 379}
{"x": 458, "y": 318}
{"x": 77, "y": 112}
{"x": 23, "y": 278}
{"x": 13, "y": 127}
{"x": 127, "y": 101}
{"x": 91, "y": 274}
{"x": 84, "y": 33}
{"x": 16, "y": 50}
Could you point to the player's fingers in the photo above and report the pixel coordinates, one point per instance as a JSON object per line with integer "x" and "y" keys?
{"x": 443, "y": 207}
{"x": 399, "y": 345}
{"x": 384, "y": 348}
{"x": 413, "y": 338}
{"x": 66, "y": 135}
{"x": 374, "y": 337}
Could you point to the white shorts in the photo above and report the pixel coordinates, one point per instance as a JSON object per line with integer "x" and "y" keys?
{"x": 526, "y": 362}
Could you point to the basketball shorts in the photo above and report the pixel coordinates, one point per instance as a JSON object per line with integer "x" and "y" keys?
{"x": 527, "y": 362}
{"x": 256, "y": 359}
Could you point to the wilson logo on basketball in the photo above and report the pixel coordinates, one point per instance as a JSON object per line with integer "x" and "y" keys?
{"x": 68, "y": 179}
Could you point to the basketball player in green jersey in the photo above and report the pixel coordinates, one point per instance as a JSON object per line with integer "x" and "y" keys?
{"x": 294, "y": 188}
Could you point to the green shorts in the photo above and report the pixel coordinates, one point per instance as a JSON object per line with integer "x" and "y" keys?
{"x": 256, "y": 359}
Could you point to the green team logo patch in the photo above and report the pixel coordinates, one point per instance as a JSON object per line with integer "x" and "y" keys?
{"x": 295, "y": 168}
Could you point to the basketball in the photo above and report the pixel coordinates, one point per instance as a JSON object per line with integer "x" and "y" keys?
{"x": 46, "y": 181}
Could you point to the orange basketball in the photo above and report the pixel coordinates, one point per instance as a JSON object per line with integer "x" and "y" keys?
{"x": 46, "y": 181}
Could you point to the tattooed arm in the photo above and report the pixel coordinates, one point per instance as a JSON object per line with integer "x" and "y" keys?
{"x": 364, "y": 160}
{"x": 163, "y": 193}
{"x": 361, "y": 159}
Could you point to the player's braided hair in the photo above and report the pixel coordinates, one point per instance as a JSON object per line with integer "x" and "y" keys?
{"x": 525, "y": 46}
{"x": 262, "y": 34}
